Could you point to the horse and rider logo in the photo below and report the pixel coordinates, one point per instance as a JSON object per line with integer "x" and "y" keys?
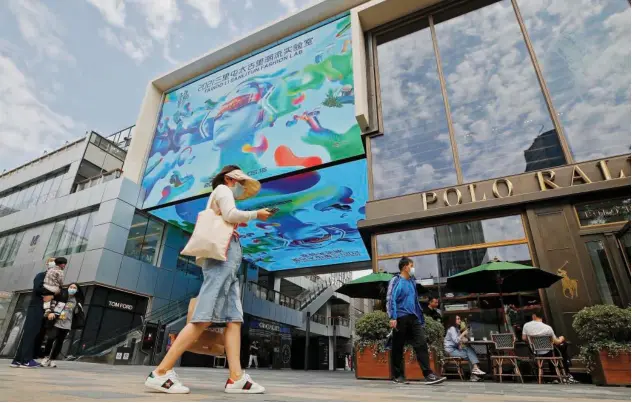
{"x": 569, "y": 285}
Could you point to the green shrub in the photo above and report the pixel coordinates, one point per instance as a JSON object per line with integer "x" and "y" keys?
{"x": 602, "y": 327}
{"x": 373, "y": 326}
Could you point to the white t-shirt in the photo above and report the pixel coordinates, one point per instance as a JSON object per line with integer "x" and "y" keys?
{"x": 536, "y": 328}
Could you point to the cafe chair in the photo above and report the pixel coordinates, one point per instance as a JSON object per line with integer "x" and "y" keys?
{"x": 453, "y": 362}
{"x": 505, "y": 352}
{"x": 544, "y": 344}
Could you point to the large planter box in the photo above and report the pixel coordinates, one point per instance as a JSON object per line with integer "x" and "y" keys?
{"x": 611, "y": 370}
{"x": 412, "y": 369}
{"x": 368, "y": 366}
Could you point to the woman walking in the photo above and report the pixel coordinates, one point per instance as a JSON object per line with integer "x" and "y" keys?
{"x": 66, "y": 313}
{"x": 219, "y": 299}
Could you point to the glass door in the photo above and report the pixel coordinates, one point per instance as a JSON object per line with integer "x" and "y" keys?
{"x": 607, "y": 269}
{"x": 623, "y": 241}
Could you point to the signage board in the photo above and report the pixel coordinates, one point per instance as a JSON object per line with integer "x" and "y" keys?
{"x": 284, "y": 109}
{"x": 316, "y": 224}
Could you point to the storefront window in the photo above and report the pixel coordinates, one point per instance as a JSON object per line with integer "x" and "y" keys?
{"x": 451, "y": 235}
{"x": 604, "y": 212}
{"x": 415, "y": 152}
{"x": 583, "y": 49}
{"x": 143, "y": 241}
{"x": 70, "y": 235}
{"x": 501, "y": 123}
{"x": 9, "y": 246}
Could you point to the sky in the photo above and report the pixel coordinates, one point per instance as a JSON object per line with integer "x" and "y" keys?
{"x": 67, "y": 67}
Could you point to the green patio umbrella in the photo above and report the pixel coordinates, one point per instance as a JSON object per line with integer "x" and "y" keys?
{"x": 372, "y": 286}
{"x": 498, "y": 276}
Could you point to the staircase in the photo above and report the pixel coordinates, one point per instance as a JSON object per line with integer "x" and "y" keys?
{"x": 328, "y": 284}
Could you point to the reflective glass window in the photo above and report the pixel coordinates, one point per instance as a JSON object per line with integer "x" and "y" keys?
{"x": 501, "y": 123}
{"x": 136, "y": 236}
{"x": 583, "y": 48}
{"x": 415, "y": 152}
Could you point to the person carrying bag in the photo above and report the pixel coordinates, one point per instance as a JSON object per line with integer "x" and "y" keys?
{"x": 215, "y": 245}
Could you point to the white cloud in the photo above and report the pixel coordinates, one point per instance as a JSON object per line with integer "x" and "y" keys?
{"x": 135, "y": 46}
{"x": 40, "y": 29}
{"x": 160, "y": 15}
{"x": 28, "y": 125}
{"x": 210, "y": 10}
{"x": 112, "y": 10}
{"x": 290, "y": 5}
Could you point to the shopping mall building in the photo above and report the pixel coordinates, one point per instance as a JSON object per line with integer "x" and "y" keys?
{"x": 452, "y": 132}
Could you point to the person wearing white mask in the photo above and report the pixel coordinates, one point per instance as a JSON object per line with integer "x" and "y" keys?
{"x": 407, "y": 321}
{"x": 219, "y": 298}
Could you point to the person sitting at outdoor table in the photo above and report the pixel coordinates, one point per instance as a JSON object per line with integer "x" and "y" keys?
{"x": 454, "y": 347}
{"x": 538, "y": 328}
{"x": 432, "y": 309}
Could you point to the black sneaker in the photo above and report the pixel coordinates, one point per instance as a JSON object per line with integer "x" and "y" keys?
{"x": 400, "y": 380}
{"x": 433, "y": 379}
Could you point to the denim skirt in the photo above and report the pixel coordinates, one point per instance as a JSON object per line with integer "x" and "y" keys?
{"x": 219, "y": 300}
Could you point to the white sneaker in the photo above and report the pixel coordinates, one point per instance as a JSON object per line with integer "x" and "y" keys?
{"x": 244, "y": 385}
{"x": 45, "y": 362}
{"x": 478, "y": 372}
{"x": 167, "y": 383}
{"x": 52, "y": 364}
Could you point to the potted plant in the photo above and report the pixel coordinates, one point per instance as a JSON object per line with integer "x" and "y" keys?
{"x": 605, "y": 332}
{"x": 373, "y": 357}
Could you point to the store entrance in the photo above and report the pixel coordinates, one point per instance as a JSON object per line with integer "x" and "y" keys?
{"x": 608, "y": 260}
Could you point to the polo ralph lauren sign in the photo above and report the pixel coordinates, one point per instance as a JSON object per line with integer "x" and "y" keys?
{"x": 532, "y": 182}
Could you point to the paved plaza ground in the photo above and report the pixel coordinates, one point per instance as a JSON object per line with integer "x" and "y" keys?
{"x": 90, "y": 382}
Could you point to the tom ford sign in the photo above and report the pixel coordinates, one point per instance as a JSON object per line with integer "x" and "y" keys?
{"x": 541, "y": 181}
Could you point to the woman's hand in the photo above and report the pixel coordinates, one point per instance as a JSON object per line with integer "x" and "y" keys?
{"x": 51, "y": 316}
{"x": 263, "y": 214}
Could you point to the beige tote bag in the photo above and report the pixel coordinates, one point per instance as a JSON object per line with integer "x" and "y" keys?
{"x": 211, "y": 235}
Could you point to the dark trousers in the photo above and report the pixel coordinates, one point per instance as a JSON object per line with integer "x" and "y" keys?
{"x": 55, "y": 342}
{"x": 561, "y": 350}
{"x": 409, "y": 331}
{"x": 37, "y": 346}
{"x": 30, "y": 333}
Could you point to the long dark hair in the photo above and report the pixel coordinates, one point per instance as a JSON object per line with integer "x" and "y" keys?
{"x": 220, "y": 177}
{"x": 78, "y": 296}
{"x": 452, "y": 322}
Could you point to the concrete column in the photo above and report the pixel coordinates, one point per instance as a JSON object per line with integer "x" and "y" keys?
{"x": 330, "y": 338}
{"x": 277, "y": 288}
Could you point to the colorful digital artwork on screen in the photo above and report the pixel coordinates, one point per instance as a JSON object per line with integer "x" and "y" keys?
{"x": 316, "y": 224}
{"x": 285, "y": 109}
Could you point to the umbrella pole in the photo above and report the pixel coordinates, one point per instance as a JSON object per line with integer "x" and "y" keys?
{"x": 499, "y": 282}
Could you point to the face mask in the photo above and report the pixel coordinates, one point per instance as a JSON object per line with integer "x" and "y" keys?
{"x": 237, "y": 190}
{"x": 51, "y": 265}
{"x": 72, "y": 291}
{"x": 411, "y": 272}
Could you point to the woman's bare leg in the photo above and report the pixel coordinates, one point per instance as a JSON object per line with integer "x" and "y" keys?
{"x": 232, "y": 336}
{"x": 185, "y": 339}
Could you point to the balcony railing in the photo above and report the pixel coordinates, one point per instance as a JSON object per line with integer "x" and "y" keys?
{"x": 97, "y": 180}
{"x": 330, "y": 320}
{"x": 272, "y": 296}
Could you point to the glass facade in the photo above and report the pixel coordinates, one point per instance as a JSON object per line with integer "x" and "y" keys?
{"x": 413, "y": 113}
{"x": 442, "y": 251}
{"x": 70, "y": 235}
{"x": 9, "y": 245}
{"x": 31, "y": 195}
{"x": 143, "y": 241}
{"x": 501, "y": 117}
{"x": 603, "y": 212}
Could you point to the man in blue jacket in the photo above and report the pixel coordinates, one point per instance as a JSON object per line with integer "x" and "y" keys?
{"x": 407, "y": 321}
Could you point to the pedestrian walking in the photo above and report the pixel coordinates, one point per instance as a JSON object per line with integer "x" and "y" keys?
{"x": 254, "y": 350}
{"x": 65, "y": 313}
{"x": 219, "y": 299}
{"x": 407, "y": 321}
{"x": 31, "y": 339}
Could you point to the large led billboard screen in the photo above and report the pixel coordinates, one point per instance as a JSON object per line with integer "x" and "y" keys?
{"x": 284, "y": 109}
{"x": 316, "y": 224}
